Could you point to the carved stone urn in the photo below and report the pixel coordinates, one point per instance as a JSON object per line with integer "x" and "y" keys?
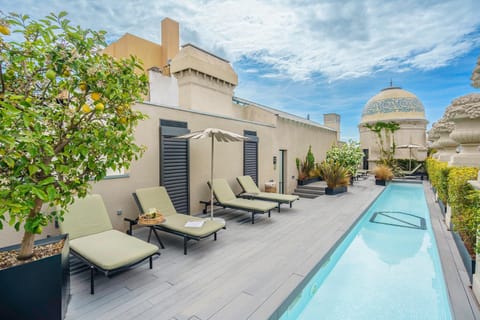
{"x": 447, "y": 146}
{"x": 464, "y": 112}
{"x": 433, "y": 137}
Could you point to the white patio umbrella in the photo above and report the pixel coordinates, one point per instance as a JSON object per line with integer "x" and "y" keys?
{"x": 221, "y": 136}
{"x": 410, "y": 147}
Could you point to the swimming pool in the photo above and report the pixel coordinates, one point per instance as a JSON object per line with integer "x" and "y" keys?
{"x": 387, "y": 267}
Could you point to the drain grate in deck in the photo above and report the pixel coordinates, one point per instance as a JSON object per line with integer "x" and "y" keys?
{"x": 399, "y": 219}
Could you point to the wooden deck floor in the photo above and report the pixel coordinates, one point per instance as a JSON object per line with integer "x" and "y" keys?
{"x": 245, "y": 274}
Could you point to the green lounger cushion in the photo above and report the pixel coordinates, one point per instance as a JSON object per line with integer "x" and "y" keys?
{"x": 112, "y": 249}
{"x": 85, "y": 217}
{"x": 222, "y": 191}
{"x": 157, "y": 197}
{"x": 177, "y": 222}
{"x": 225, "y": 196}
{"x": 276, "y": 196}
{"x": 256, "y": 205}
{"x": 249, "y": 186}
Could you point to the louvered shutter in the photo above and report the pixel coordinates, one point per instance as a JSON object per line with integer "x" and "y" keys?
{"x": 250, "y": 155}
{"x": 174, "y": 155}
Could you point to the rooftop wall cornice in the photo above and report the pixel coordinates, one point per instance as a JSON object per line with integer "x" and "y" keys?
{"x": 191, "y": 57}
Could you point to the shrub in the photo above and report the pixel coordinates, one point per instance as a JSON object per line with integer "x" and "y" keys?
{"x": 334, "y": 174}
{"x": 383, "y": 172}
{"x": 464, "y": 204}
{"x": 306, "y": 169}
{"x": 434, "y": 168}
{"x": 348, "y": 155}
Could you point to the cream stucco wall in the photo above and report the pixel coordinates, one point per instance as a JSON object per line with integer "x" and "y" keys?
{"x": 201, "y": 92}
{"x": 288, "y": 135}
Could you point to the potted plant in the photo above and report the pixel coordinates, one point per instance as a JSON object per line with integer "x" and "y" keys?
{"x": 65, "y": 118}
{"x": 383, "y": 173}
{"x": 336, "y": 177}
{"x": 307, "y": 170}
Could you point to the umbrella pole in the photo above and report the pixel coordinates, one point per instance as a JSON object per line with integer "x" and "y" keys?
{"x": 410, "y": 160}
{"x": 211, "y": 180}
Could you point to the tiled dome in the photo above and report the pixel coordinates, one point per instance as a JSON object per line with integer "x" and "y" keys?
{"x": 393, "y": 103}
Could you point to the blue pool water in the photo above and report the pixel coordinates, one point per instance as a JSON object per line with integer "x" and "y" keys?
{"x": 386, "y": 268}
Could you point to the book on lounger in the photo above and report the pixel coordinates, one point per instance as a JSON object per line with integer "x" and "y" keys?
{"x": 194, "y": 224}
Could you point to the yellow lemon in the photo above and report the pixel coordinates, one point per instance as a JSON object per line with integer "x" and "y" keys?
{"x": 86, "y": 108}
{"x": 96, "y": 96}
{"x": 4, "y": 30}
{"x": 99, "y": 106}
{"x": 83, "y": 87}
{"x": 123, "y": 120}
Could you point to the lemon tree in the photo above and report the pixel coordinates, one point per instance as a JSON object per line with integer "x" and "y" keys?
{"x": 65, "y": 117}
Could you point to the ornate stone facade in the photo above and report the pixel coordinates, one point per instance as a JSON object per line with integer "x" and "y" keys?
{"x": 447, "y": 146}
{"x": 464, "y": 112}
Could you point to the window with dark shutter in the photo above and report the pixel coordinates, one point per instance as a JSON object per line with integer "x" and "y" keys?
{"x": 174, "y": 156}
{"x": 250, "y": 155}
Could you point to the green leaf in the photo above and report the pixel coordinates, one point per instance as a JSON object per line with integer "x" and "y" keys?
{"x": 32, "y": 169}
{"x": 46, "y": 181}
{"x": 39, "y": 193}
{"x": 51, "y": 192}
{"x": 9, "y": 161}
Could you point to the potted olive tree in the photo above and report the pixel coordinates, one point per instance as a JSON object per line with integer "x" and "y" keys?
{"x": 65, "y": 118}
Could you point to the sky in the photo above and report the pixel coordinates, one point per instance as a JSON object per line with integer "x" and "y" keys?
{"x": 309, "y": 57}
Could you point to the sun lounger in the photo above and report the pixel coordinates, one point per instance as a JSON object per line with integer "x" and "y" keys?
{"x": 251, "y": 191}
{"x": 157, "y": 197}
{"x": 411, "y": 172}
{"x": 94, "y": 241}
{"x": 361, "y": 173}
{"x": 227, "y": 199}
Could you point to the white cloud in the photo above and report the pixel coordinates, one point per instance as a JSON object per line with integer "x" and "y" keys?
{"x": 298, "y": 38}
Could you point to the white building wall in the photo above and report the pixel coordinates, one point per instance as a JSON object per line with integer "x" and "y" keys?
{"x": 163, "y": 89}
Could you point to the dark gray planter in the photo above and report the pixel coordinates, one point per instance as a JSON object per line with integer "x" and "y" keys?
{"x": 336, "y": 190}
{"x": 307, "y": 181}
{"x": 468, "y": 262}
{"x": 380, "y": 182}
{"x": 38, "y": 289}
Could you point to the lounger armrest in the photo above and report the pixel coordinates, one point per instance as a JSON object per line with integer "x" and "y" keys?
{"x": 131, "y": 223}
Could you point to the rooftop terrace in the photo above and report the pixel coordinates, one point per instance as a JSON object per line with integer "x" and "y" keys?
{"x": 250, "y": 269}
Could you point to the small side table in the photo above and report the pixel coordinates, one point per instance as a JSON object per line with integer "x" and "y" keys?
{"x": 151, "y": 226}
